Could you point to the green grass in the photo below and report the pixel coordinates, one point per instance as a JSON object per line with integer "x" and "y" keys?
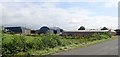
{"x": 46, "y": 44}
{"x": 58, "y": 49}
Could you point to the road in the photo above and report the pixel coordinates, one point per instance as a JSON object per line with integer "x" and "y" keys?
{"x": 104, "y": 48}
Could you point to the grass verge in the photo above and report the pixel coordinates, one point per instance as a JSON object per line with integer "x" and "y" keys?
{"x": 52, "y": 51}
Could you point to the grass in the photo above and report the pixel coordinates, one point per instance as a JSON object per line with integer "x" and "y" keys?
{"x": 46, "y": 44}
{"x": 52, "y": 51}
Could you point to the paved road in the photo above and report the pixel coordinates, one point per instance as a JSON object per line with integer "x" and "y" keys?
{"x": 105, "y": 48}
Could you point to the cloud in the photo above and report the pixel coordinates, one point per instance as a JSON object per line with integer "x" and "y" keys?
{"x": 112, "y": 3}
{"x": 107, "y": 3}
{"x": 34, "y": 15}
{"x": 58, "y": 0}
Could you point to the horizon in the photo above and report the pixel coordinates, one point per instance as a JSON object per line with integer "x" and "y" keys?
{"x": 62, "y": 28}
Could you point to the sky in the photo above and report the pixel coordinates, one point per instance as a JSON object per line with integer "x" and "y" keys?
{"x": 68, "y": 15}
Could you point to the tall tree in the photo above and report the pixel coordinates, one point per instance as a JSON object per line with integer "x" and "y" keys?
{"x": 82, "y": 28}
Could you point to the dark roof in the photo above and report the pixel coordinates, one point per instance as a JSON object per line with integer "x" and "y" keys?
{"x": 117, "y": 30}
{"x": 44, "y": 27}
{"x": 12, "y": 27}
{"x": 15, "y": 27}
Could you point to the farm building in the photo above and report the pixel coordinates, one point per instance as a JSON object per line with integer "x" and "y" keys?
{"x": 34, "y": 32}
{"x": 17, "y": 30}
{"x": 117, "y": 31}
{"x": 45, "y": 29}
{"x": 83, "y": 32}
{"x": 55, "y": 30}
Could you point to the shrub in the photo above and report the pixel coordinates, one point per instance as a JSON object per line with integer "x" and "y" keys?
{"x": 37, "y": 44}
{"x": 13, "y": 44}
{"x": 51, "y": 40}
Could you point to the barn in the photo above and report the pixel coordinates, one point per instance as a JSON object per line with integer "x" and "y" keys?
{"x": 117, "y": 31}
{"x": 17, "y": 30}
{"x": 45, "y": 29}
{"x": 55, "y": 30}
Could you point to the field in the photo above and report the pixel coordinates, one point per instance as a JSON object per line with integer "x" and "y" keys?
{"x": 44, "y": 44}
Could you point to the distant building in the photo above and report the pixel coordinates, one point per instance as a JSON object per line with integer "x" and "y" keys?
{"x": 117, "y": 31}
{"x": 113, "y": 32}
{"x": 34, "y": 32}
{"x": 17, "y": 30}
{"x": 82, "y": 32}
{"x": 55, "y": 30}
{"x": 45, "y": 29}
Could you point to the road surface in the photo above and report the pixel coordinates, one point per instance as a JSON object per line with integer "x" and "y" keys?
{"x": 104, "y": 48}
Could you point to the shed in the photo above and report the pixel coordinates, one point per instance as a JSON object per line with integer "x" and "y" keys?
{"x": 18, "y": 30}
{"x": 55, "y": 30}
{"x": 117, "y": 31}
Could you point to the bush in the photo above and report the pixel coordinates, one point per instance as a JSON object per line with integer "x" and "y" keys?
{"x": 100, "y": 36}
{"x": 13, "y": 44}
{"x": 20, "y": 43}
{"x": 51, "y": 41}
{"x": 37, "y": 44}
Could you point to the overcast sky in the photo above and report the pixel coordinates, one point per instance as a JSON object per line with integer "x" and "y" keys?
{"x": 69, "y": 15}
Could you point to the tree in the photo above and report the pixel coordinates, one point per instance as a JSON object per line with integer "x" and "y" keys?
{"x": 104, "y": 28}
{"x": 82, "y": 28}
